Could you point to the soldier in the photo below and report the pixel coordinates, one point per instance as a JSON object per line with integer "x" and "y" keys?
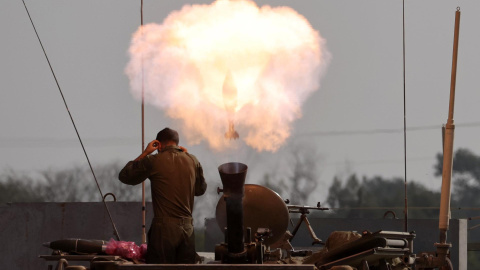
{"x": 176, "y": 177}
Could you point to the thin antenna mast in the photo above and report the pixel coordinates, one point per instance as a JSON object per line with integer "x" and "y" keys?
{"x": 115, "y": 231}
{"x": 405, "y": 211}
{"x": 144, "y": 236}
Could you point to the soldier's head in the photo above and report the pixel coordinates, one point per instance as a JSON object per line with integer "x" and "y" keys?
{"x": 168, "y": 136}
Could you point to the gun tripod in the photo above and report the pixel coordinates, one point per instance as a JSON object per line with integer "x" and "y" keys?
{"x": 304, "y": 210}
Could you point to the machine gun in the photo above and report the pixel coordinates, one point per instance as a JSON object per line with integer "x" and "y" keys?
{"x": 304, "y": 210}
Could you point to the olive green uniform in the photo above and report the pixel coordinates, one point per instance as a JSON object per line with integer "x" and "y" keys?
{"x": 176, "y": 177}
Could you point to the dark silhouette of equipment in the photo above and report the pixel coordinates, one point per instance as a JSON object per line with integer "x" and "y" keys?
{"x": 262, "y": 208}
{"x": 78, "y": 246}
{"x": 371, "y": 251}
{"x": 304, "y": 211}
{"x": 234, "y": 249}
{"x": 252, "y": 217}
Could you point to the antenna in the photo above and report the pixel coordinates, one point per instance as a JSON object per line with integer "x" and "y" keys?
{"x": 144, "y": 236}
{"x": 115, "y": 232}
{"x": 405, "y": 211}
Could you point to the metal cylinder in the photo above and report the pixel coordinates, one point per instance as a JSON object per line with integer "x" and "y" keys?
{"x": 77, "y": 245}
{"x": 233, "y": 179}
{"x": 444, "y": 216}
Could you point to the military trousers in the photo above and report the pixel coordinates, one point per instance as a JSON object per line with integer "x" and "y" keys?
{"x": 171, "y": 241}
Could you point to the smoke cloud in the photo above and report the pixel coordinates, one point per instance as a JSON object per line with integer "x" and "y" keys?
{"x": 273, "y": 55}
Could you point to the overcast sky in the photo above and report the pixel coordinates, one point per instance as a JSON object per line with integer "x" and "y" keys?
{"x": 362, "y": 90}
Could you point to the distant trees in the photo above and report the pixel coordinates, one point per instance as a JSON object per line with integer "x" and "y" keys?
{"x": 377, "y": 195}
{"x": 344, "y": 196}
{"x": 77, "y": 184}
{"x": 301, "y": 174}
{"x": 12, "y": 189}
{"x": 69, "y": 185}
{"x": 423, "y": 202}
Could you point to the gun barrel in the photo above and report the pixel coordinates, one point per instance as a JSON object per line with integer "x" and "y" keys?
{"x": 292, "y": 208}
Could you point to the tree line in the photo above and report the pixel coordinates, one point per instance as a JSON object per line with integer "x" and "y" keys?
{"x": 75, "y": 184}
{"x": 345, "y": 196}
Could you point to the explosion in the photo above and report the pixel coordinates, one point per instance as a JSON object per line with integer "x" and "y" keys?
{"x": 271, "y": 60}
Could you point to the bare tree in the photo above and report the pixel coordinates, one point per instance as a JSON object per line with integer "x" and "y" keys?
{"x": 75, "y": 184}
{"x": 68, "y": 185}
{"x": 304, "y": 173}
{"x": 107, "y": 176}
{"x": 17, "y": 188}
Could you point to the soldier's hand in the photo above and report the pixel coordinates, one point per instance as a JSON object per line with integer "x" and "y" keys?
{"x": 152, "y": 146}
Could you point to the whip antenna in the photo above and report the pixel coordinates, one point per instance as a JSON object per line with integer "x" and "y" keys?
{"x": 405, "y": 211}
{"x": 144, "y": 236}
{"x": 74, "y": 126}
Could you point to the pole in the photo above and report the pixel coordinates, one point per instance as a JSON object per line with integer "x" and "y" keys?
{"x": 405, "y": 210}
{"x": 144, "y": 235}
{"x": 444, "y": 216}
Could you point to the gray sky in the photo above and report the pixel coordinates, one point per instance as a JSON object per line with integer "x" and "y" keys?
{"x": 87, "y": 41}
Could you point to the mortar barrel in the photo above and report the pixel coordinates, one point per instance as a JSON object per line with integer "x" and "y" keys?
{"x": 233, "y": 176}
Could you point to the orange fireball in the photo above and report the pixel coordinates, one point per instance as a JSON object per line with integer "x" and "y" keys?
{"x": 230, "y": 61}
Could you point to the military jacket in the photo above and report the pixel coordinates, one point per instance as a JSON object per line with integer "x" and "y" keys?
{"x": 175, "y": 176}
